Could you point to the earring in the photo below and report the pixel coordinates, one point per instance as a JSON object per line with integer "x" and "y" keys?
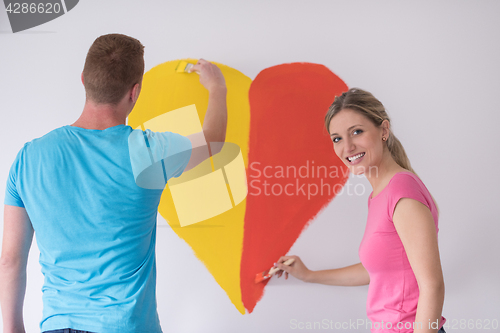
{"x": 384, "y": 138}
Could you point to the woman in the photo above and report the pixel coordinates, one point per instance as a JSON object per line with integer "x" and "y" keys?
{"x": 399, "y": 251}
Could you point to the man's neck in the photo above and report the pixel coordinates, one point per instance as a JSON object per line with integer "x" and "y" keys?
{"x": 101, "y": 116}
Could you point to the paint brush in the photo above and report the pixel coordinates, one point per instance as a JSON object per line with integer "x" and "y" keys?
{"x": 270, "y": 272}
{"x": 184, "y": 67}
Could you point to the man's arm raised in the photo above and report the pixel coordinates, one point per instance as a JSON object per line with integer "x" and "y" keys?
{"x": 215, "y": 122}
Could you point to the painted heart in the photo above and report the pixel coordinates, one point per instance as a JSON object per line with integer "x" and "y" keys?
{"x": 292, "y": 172}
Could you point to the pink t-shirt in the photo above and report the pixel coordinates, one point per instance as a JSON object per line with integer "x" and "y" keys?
{"x": 393, "y": 290}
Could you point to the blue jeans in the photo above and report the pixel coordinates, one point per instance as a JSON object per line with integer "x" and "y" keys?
{"x": 66, "y": 330}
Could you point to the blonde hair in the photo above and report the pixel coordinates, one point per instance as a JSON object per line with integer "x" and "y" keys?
{"x": 366, "y": 104}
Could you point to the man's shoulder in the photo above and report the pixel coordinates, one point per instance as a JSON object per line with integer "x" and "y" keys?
{"x": 51, "y": 136}
{"x": 48, "y": 136}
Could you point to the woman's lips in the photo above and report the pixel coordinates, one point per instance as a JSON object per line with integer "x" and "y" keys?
{"x": 355, "y": 159}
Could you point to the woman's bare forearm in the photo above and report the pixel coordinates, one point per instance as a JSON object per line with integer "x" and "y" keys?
{"x": 354, "y": 275}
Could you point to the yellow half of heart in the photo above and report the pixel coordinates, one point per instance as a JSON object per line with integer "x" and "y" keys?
{"x": 211, "y": 188}
{"x": 216, "y": 241}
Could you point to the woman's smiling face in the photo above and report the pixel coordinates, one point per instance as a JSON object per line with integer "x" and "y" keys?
{"x": 357, "y": 141}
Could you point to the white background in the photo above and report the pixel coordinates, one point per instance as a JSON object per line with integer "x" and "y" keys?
{"x": 434, "y": 64}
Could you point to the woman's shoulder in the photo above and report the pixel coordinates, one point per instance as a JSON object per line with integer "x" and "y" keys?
{"x": 407, "y": 184}
{"x": 405, "y": 179}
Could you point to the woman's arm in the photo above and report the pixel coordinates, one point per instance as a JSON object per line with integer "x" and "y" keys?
{"x": 354, "y": 275}
{"x": 415, "y": 226}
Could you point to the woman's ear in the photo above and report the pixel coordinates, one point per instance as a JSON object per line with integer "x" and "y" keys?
{"x": 386, "y": 129}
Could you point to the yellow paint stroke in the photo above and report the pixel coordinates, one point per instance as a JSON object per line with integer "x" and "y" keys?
{"x": 218, "y": 241}
{"x": 183, "y": 121}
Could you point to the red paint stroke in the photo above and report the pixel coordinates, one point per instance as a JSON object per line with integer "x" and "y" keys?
{"x": 288, "y": 104}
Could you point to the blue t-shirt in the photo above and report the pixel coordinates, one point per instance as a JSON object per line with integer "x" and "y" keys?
{"x": 94, "y": 226}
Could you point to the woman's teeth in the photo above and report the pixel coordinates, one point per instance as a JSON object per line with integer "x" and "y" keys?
{"x": 355, "y": 157}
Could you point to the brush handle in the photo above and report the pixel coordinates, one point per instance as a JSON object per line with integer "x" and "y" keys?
{"x": 275, "y": 269}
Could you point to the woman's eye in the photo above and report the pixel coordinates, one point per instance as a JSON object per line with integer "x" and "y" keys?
{"x": 358, "y": 131}
{"x": 335, "y": 140}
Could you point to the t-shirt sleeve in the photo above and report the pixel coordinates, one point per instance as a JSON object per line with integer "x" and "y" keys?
{"x": 405, "y": 186}
{"x": 177, "y": 155}
{"x": 12, "y": 196}
{"x": 157, "y": 157}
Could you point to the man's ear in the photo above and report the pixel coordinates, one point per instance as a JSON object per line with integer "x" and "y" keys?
{"x": 136, "y": 90}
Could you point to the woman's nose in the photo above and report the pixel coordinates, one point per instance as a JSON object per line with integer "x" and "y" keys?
{"x": 349, "y": 145}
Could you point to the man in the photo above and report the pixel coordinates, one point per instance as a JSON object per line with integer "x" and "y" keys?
{"x": 96, "y": 229}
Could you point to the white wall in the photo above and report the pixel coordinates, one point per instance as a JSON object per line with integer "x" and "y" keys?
{"x": 434, "y": 64}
